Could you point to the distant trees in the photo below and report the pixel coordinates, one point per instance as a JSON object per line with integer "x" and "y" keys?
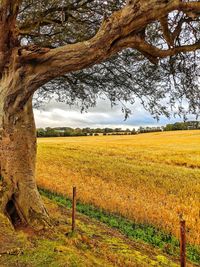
{"x": 189, "y": 125}
{"x": 68, "y": 131}
{"x": 150, "y": 129}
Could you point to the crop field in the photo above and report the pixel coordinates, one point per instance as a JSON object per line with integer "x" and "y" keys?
{"x": 150, "y": 178}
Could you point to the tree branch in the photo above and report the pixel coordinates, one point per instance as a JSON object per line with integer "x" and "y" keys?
{"x": 118, "y": 32}
{"x": 159, "y": 53}
{"x": 190, "y": 7}
{"x": 166, "y": 31}
{"x": 8, "y": 29}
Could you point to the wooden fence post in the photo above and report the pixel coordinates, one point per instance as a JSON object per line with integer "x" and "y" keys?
{"x": 182, "y": 243}
{"x": 74, "y": 210}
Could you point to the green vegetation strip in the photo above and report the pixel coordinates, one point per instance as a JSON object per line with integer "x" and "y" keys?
{"x": 143, "y": 232}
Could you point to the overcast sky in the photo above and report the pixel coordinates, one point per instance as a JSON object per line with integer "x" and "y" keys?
{"x": 58, "y": 114}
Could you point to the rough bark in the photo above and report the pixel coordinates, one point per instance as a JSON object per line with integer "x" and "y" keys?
{"x": 19, "y": 197}
{"x": 8, "y": 29}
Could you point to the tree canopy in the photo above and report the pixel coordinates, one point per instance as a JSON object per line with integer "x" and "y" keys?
{"x": 160, "y": 65}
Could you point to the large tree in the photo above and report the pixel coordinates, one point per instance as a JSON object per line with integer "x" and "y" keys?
{"x": 151, "y": 48}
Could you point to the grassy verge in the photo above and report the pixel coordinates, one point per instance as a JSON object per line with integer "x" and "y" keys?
{"x": 141, "y": 232}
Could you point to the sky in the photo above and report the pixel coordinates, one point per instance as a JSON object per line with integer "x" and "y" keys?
{"x": 103, "y": 115}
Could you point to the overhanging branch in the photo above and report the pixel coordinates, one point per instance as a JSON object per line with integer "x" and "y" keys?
{"x": 118, "y": 32}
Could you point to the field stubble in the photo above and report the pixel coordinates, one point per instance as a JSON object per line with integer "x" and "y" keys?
{"x": 149, "y": 178}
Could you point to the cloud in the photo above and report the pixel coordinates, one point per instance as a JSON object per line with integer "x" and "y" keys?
{"x": 103, "y": 115}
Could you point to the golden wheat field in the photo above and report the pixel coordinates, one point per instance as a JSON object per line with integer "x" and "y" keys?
{"x": 150, "y": 178}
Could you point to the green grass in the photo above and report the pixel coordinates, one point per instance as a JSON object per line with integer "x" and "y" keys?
{"x": 141, "y": 232}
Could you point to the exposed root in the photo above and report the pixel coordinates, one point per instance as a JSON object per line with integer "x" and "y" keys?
{"x": 39, "y": 221}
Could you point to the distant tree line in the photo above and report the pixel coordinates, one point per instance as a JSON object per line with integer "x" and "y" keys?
{"x": 188, "y": 125}
{"x": 68, "y": 131}
{"x": 149, "y": 129}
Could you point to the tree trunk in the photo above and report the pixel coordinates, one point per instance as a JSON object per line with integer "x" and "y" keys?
{"x": 19, "y": 197}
